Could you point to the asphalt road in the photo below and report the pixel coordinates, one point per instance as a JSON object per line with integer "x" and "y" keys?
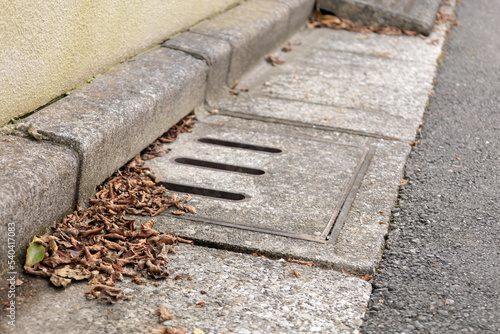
{"x": 440, "y": 272}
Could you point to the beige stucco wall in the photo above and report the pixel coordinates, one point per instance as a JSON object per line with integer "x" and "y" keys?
{"x": 48, "y": 47}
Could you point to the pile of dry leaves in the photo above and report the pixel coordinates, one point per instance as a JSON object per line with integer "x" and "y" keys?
{"x": 101, "y": 244}
{"x": 318, "y": 19}
{"x": 331, "y": 21}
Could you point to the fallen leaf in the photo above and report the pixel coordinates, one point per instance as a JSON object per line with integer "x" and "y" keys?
{"x": 414, "y": 143}
{"x": 189, "y": 208}
{"x": 294, "y": 272}
{"x": 274, "y": 60}
{"x": 35, "y": 253}
{"x": 60, "y": 281}
{"x": 67, "y": 272}
{"x": 104, "y": 292}
{"x": 234, "y": 85}
{"x": 164, "y": 315}
{"x": 386, "y": 54}
{"x": 173, "y": 330}
{"x": 307, "y": 263}
{"x": 52, "y": 244}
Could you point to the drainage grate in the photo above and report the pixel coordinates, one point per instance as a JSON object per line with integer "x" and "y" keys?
{"x": 305, "y": 192}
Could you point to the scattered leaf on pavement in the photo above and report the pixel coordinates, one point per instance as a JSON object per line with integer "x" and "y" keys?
{"x": 163, "y": 314}
{"x": 307, "y": 263}
{"x": 274, "y": 60}
{"x": 294, "y": 272}
{"x": 173, "y": 330}
{"x": 35, "y": 253}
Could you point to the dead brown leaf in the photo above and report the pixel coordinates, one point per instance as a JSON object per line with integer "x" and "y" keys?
{"x": 307, "y": 263}
{"x": 189, "y": 208}
{"x": 59, "y": 281}
{"x": 173, "y": 330}
{"x": 294, "y": 272}
{"x": 274, "y": 60}
{"x": 163, "y": 314}
{"x": 234, "y": 85}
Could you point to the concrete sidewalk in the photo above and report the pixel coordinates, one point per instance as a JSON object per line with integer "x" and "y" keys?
{"x": 350, "y": 101}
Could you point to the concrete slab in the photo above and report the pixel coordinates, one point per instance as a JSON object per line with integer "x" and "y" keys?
{"x": 38, "y": 187}
{"x": 242, "y": 294}
{"x": 373, "y": 122}
{"x": 343, "y": 80}
{"x": 253, "y": 29}
{"x": 359, "y": 244}
{"x": 416, "y": 15}
{"x": 116, "y": 116}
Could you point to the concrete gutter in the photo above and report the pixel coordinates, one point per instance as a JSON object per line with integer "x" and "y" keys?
{"x": 92, "y": 132}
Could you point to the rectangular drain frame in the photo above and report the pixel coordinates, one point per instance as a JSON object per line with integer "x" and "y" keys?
{"x": 336, "y": 221}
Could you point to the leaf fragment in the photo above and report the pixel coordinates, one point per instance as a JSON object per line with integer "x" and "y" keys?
{"x": 163, "y": 314}
{"x": 60, "y": 281}
{"x": 173, "y": 330}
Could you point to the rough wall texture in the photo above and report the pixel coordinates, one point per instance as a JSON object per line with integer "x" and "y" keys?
{"x": 49, "y": 47}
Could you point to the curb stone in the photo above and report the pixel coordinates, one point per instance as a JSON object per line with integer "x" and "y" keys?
{"x": 116, "y": 116}
{"x": 244, "y": 27}
{"x": 38, "y": 185}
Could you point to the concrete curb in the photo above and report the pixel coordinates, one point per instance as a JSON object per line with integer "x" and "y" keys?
{"x": 96, "y": 129}
{"x": 38, "y": 186}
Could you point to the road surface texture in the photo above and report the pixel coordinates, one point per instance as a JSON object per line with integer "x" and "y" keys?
{"x": 440, "y": 270}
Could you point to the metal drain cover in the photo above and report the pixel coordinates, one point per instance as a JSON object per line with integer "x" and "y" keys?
{"x": 270, "y": 183}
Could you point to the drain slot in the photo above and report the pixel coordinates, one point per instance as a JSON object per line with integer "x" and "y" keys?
{"x": 219, "y": 166}
{"x": 239, "y": 145}
{"x": 203, "y": 191}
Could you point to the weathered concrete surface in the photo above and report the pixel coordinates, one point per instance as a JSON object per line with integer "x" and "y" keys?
{"x": 359, "y": 246}
{"x": 415, "y": 15}
{"x": 252, "y": 29}
{"x": 116, "y": 116}
{"x": 216, "y": 52}
{"x": 242, "y": 294}
{"x": 375, "y": 84}
{"x": 38, "y": 185}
